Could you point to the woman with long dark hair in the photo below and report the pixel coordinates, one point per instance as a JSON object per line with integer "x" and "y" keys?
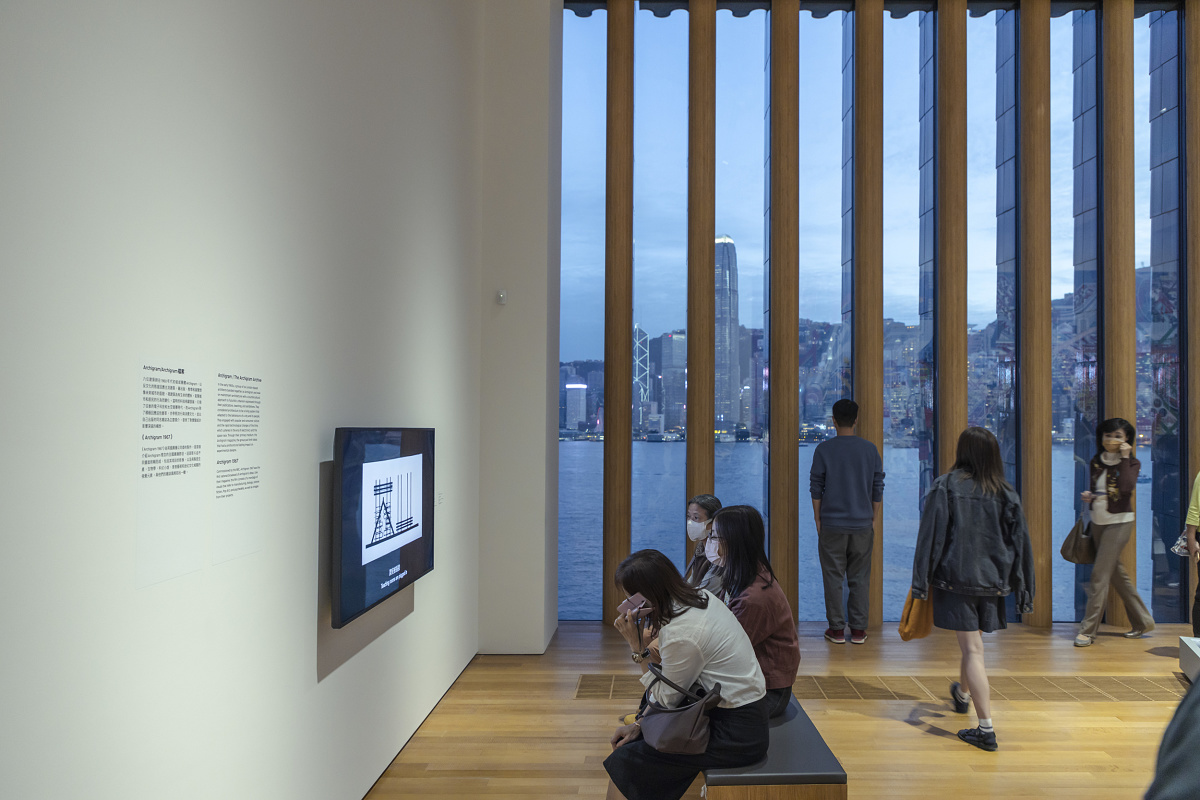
{"x": 1113, "y": 473}
{"x": 738, "y": 547}
{"x": 972, "y": 551}
{"x": 701, "y": 643}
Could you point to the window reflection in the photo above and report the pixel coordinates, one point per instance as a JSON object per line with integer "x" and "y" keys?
{"x": 908, "y": 119}
{"x": 1083, "y": 384}
{"x": 1159, "y": 320}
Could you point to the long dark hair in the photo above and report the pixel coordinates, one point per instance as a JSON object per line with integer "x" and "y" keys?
{"x": 1112, "y": 425}
{"x": 978, "y": 456}
{"x": 653, "y": 575}
{"x": 741, "y": 531}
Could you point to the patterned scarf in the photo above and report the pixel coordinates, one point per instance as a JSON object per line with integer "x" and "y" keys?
{"x": 1110, "y": 482}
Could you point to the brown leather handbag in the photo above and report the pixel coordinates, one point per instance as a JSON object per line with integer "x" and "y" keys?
{"x": 678, "y": 730}
{"x": 916, "y": 621}
{"x": 1079, "y": 547}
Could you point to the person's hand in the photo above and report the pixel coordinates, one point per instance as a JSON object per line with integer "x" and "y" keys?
{"x": 1126, "y": 449}
{"x": 629, "y": 626}
{"x": 1086, "y": 497}
{"x": 1193, "y": 547}
{"x": 625, "y": 734}
{"x": 817, "y": 523}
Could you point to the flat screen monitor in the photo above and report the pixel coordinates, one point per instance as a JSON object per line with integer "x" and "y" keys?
{"x": 382, "y": 515}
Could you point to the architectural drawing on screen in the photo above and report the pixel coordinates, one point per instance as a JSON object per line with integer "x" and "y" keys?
{"x": 391, "y": 505}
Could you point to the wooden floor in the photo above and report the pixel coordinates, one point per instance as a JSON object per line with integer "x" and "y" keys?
{"x": 525, "y": 726}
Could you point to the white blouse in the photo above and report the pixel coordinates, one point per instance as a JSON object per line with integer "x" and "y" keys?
{"x": 708, "y": 645}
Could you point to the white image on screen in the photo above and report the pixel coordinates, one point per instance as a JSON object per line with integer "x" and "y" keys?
{"x": 391, "y": 505}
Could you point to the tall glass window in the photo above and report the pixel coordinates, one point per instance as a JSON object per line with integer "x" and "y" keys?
{"x": 581, "y": 342}
{"x": 908, "y": 249}
{"x": 660, "y": 125}
{"x": 739, "y": 410}
{"x": 1064, "y": 322}
{"x": 1163, "y": 488}
{"x": 992, "y": 229}
{"x": 826, "y": 168}
{"x": 1078, "y": 334}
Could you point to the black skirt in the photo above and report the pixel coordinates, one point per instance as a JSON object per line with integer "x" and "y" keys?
{"x": 964, "y": 612}
{"x": 738, "y": 737}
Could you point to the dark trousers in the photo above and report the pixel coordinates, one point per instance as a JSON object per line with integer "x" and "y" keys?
{"x": 777, "y": 700}
{"x": 846, "y": 556}
{"x": 1196, "y": 612}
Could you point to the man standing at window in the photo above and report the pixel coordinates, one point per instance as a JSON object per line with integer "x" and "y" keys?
{"x": 846, "y": 483}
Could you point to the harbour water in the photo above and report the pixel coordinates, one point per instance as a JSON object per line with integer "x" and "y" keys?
{"x": 658, "y": 519}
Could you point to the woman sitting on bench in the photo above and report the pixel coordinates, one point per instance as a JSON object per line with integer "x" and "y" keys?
{"x": 737, "y": 547}
{"x": 701, "y": 642}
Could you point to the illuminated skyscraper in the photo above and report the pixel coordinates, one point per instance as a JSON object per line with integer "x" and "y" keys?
{"x": 728, "y": 381}
{"x": 641, "y": 376}
{"x": 673, "y": 349}
{"x": 576, "y": 405}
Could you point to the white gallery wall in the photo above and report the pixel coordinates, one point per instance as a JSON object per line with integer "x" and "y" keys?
{"x": 522, "y": 180}
{"x": 293, "y": 191}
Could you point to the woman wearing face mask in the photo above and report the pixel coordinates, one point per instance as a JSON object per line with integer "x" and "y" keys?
{"x": 702, "y": 643}
{"x": 700, "y": 511}
{"x": 699, "y": 573}
{"x": 1113, "y": 477}
{"x": 736, "y": 547}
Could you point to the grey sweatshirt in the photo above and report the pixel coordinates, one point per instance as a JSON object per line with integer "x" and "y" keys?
{"x": 847, "y": 477}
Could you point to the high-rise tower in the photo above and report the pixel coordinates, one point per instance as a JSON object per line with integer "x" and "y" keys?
{"x": 673, "y": 349}
{"x": 727, "y": 380}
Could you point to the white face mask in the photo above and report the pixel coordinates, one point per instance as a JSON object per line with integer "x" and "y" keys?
{"x": 712, "y": 551}
{"x": 696, "y": 530}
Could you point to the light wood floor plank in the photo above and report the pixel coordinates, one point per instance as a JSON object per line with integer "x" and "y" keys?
{"x": 1071, "y": 722}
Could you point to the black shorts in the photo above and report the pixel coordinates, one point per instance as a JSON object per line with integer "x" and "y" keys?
{"x": 963, "y": 612}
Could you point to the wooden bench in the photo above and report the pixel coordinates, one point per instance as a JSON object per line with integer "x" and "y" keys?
{"x": 799, "y": 766}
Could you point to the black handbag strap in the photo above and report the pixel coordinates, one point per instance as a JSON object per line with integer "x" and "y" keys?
{"x": 658, "y": 676}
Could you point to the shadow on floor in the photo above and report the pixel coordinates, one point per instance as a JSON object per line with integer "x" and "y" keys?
{"x": 1165, "y": 652}
{"x": 916, "y": 718}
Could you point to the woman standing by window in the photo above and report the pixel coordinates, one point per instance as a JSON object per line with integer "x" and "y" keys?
{"x": 1113, "y": 478}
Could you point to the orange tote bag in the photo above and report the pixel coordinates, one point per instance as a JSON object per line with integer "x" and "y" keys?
{"x": 916, "y": 621}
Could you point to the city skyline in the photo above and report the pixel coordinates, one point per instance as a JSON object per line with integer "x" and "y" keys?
{"x": 820, "y": 382}
{"x": 660, "y": 168}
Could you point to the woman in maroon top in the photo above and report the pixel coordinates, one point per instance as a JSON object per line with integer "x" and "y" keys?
{"x": 736, "y": 548}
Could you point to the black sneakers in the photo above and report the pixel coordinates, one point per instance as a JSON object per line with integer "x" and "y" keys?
{"x": 960, "y": 706}
{"x": 984, "y": 740}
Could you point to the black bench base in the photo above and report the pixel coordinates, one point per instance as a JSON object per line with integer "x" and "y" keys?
{"x": 799, "y": 766}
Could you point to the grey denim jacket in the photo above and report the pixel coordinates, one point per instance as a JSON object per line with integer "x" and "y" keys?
{"x": 973, "y": 543}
